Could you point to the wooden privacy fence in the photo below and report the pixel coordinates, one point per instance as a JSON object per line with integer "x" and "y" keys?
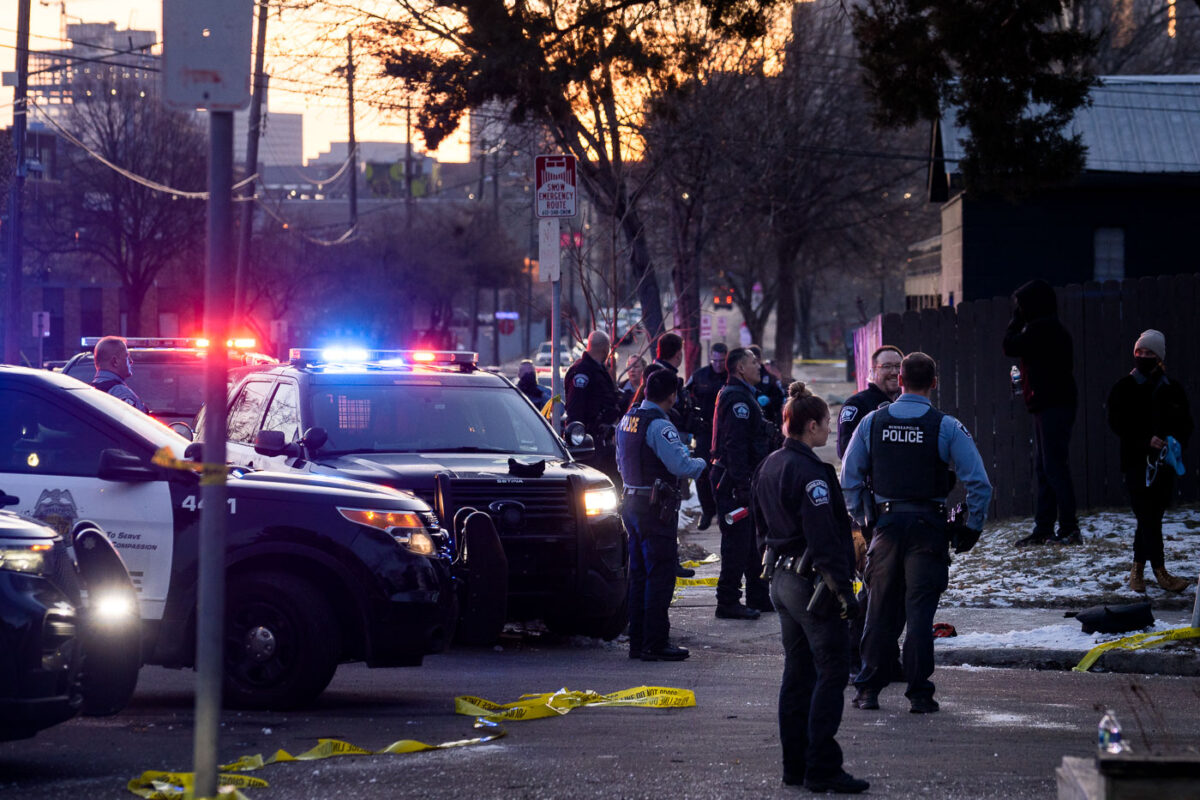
{"x": 974, "y": 384}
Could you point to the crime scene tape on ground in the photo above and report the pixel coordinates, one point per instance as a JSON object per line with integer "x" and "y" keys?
{"x": 685, "y": 582}
{"x": 711, "y": 558}
{"x": 1139, "y": 641}
{"x": 209, "y": 473}
{"x": 154, "y": 785}
{"x": 556, "y": 704}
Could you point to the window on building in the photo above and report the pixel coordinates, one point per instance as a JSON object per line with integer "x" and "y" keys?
{"x": 1109, "y": 254}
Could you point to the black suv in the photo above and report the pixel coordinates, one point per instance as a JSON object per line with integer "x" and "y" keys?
{"x": 168, "y": 373}
{"x": 458, "y": 437}
{"x": 319, "y": 570}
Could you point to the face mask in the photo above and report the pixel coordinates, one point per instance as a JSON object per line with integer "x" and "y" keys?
{"x": 1145, "y": 364}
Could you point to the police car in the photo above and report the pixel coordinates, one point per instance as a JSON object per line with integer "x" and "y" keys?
{"x": 168, "y": 372}
{"x": 318, "y": 570}
{"x": 68, "y": 625}
{"x": 458, "y": 437}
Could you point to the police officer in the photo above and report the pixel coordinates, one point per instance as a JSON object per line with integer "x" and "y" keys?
{"x": 704, "y": 386}
{"x": 741, "y": 440}
{"x": 592, "y": 399}
{"x": 652, "y": 457}
{"x": 905, "y": 451}
{"x": 884, "y": 387}
{"x": 802, "y": 520}
{"x": 769, "y": 390}
{"x": 113, "y": 366}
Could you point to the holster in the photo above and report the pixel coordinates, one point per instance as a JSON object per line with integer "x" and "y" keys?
{"x": 664, "y": 500}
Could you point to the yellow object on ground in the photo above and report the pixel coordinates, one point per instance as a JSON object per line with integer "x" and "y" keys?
{"x": 1139, "y": 641}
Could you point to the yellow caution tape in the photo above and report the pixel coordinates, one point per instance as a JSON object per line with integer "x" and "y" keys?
{"x": 682, "y": 582}
{"x": 711, "y": 558}
{"x": 155, "y": 785}
{"x": 548, "y": 409}
{"x": 1139, "y": 641}
{"x": 556, "y": 704}
{"x": 209, "y": 473}
{"x": 856, "y": 586}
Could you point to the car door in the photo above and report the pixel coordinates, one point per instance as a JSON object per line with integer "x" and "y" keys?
{"x": 283, "y": 415}
{"x": 244, "y": 420}
{"x": 50, "y": 457}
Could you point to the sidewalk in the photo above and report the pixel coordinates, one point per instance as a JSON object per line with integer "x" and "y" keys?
{"x": 998, "y": 636}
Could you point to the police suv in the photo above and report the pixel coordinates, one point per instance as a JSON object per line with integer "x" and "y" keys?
{"x": 458, "y": 437}
{"x": 318, "y": 570}
{"x": 168, "y": 372}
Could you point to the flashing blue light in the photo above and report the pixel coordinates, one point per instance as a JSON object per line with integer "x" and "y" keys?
{"x": 393, "y": 362}
{"x": 344, "y": 355}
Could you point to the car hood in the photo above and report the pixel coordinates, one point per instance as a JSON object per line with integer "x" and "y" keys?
{"x": 322, "y": 488}
{"x": 416, "y": 471}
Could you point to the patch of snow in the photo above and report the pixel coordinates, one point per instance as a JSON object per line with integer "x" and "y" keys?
{"x": 1068, "y": 635}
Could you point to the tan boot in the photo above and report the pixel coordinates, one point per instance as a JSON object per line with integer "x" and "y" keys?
{"x": 1168, "y": 581}
{"x": 1137, "y": 577}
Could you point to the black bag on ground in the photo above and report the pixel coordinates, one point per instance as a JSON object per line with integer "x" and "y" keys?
{"x": 1116, "y": 619}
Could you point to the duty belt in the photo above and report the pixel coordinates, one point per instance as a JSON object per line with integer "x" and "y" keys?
{"x": 637, "y": 491}
{"x": 790, "y": 564}
{"x": 911, "y": 507}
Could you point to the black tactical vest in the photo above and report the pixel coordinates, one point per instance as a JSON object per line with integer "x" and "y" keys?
{"x": 638, "y": 464}
{"x": 905, "y": 464}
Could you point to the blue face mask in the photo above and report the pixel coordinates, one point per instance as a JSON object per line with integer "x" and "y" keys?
{"x": 763, "y": 400}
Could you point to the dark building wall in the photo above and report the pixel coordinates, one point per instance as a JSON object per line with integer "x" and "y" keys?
{"x": 1052, "y": 236}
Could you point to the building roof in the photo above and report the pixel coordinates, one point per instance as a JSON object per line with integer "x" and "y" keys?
{"x": 1136, "y": 124}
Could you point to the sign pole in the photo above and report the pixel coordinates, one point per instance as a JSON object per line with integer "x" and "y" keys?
{"x": 554, "y": 198}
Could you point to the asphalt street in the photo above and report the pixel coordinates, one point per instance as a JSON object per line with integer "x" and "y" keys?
{"x": 1001, "y": 732}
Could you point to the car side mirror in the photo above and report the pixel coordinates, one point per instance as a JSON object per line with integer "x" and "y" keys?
{"x": 272, "y": 443}
{"x": 125, "y": 467}
{"x": 579, "y": 441}
{"x": 315, "y": 438}
{"x": 184, "y": 430}
{"x": 194, "y": 452}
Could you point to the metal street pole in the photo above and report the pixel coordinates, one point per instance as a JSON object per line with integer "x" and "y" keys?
{"x": 16, "y": 264}
{"x": 213, "y": 492}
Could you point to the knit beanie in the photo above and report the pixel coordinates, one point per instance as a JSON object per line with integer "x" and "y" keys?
{"x": 1154, "y": 341}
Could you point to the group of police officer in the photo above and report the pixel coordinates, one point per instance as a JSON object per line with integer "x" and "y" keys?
{"x": 901, "y": 458}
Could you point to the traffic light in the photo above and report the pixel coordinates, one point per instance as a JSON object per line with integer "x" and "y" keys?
{"x": 723, "y": 297}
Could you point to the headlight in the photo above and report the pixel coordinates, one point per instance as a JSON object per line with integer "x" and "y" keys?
{"x": 113, "y": 606}
{"x": 24, "y": 559}
{"x": 600, "y": 501}
{"x": 406, "y": 527}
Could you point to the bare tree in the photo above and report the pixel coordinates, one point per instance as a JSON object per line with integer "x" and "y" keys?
{"x": 117, "y": 215}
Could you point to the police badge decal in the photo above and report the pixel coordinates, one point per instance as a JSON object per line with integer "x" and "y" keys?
{"x": 56, "y": 508}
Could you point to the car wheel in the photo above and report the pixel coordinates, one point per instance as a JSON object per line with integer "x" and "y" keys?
{"x": 281, "y": 642}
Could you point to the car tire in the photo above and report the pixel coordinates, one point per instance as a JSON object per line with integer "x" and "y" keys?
{"x": 282, "y": 642}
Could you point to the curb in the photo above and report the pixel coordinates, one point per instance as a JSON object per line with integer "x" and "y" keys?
{"x": 1181, "y": 663}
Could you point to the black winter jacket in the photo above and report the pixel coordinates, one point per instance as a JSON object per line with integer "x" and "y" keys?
{"x": 1039, "y": 340}
{"x": 1140, "y": 407}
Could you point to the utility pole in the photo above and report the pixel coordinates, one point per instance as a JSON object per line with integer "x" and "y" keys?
{"x": 353, "y": 154}
{"x": 409, "y": 166}
{"x": 16, "y": 263}
{"x": 253, "y": 134}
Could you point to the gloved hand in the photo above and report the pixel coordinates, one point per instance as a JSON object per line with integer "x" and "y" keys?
{"x": 848, "y": 603}
{"x": 964, "y": 538}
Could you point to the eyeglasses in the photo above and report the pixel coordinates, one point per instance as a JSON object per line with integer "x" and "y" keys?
{"x": 887, "y": 367}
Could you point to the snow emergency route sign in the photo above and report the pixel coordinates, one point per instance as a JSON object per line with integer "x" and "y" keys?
{"x": 554, "y": 179}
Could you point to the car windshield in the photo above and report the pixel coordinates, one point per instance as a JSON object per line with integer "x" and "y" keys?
{"x": 174, "y": 388}
{"x": 430, "y": 419}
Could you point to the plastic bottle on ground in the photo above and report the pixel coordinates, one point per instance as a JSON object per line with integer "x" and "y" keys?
{"x": 1109, "y": 734}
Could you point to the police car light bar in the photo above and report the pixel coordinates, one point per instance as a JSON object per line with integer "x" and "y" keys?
{"x": 359, "y": 355}
{"x": 170, "y": 341}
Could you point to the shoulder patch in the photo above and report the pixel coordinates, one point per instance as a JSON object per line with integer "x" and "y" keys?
{"x": 741, "y": 410}
{"x": 818, "y": 492}
{"x": 848, "y": 414}
{"x": 670, "y": 434}
{"x": 963, "y": 428}
{"x": 581, "y": 380}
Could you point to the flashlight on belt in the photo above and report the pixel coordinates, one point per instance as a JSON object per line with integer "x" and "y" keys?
{"x": 737, "y": 515}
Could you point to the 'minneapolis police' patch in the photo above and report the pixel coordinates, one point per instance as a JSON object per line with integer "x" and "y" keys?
{"x": 818, "y": 492}
{"x": 581, "y": 381}
{"x": 741, "y": 411}
{"x": 848, "y": 414}
{"x": 963, "y": 428}
{"x": 671, "y": 435}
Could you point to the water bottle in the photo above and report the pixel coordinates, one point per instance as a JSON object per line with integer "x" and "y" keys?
{"x": 737, "y": 515}
{"x": 1109, "y": 734}
{"x": 1014, "y": 375}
